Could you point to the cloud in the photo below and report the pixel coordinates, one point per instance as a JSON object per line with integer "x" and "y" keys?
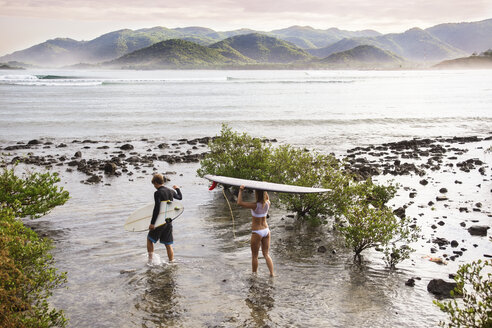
{"x": 38, "y": 20}
{"x": 254, "y": 11}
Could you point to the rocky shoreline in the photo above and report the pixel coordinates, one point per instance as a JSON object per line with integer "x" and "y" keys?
{"x": 420, "y": 160}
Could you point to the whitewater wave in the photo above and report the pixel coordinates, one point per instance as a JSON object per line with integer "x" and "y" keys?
{"x": 287, "y": 81}
{"x": 46, "y": 80}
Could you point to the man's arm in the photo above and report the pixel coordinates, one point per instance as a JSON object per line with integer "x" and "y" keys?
{"x": 177, "y": 194}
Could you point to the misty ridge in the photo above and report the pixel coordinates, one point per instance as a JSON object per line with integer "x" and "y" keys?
{"x": 450, "y": 45}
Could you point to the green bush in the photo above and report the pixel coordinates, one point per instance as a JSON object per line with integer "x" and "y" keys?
{"x": 27, "y": 274}
{"x": 474, "y": 284}
{"x": 34, "y": 194}
{"x": 358, "y": 207}
{"x": 236, "y": 155}
{"x": 299, "y": 167}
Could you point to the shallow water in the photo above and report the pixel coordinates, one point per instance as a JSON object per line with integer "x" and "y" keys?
{"x": 210, "y": 285}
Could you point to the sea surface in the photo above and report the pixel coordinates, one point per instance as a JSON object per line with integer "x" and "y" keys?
{"x": 210, "y": 284}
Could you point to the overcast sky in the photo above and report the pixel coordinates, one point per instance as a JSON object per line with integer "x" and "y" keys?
{"x": 24, "y": 23}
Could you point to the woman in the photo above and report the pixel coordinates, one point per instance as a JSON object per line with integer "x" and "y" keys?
{"x": 260, "y": 236}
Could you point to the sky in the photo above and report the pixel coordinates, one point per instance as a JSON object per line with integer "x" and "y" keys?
{"x": 24, "y": 23}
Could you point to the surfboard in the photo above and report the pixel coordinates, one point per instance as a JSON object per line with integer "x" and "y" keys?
{"x": 261, "y": 185}
{"x": 139, "y": 220}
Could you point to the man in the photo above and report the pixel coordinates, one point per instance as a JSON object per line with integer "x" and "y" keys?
{"x": 163, "y": 233}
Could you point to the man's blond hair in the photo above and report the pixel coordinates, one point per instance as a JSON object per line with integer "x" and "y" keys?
{"x": 158, "y": 179}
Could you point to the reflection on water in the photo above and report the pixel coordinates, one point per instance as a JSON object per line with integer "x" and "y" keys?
{"x": 160, "y": 297}
{"x": 261, "y": 301}
{"x": 211, "y": 285}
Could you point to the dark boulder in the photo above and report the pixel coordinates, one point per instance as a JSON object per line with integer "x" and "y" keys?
{"x": 126, "y": 147}
{"x": 94, "y": 179}
{"x": 110, "y": 168}
{"x": 478, "y": 230}
{"x": 441, "y": 288}
{"x": 399, "y": 212}
{"x": 34, "y": 142}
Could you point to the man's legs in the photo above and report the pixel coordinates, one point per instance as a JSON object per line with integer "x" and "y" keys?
{"x": 170, "y": 252}
{"x": 150, "y": 248}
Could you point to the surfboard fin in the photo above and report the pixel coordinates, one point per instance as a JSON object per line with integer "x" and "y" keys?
{"x": 212, "y": 187}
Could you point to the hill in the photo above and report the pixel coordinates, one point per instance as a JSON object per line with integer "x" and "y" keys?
{"x": 305, "y": 36}
{"x": 173, "y": 53}
{"x": 414, "y": 44}
{"x": 483, "y": 61}
{"x": 364, "y": 56}
{"x": 470, "y": 37}
{"x": 50, "y": 53}
{"x": 295, "y": 43}
{"x": 262, "y": 48}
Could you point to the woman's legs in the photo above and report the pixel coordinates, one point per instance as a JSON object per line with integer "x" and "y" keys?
{"x": 265, "y": 247}
{"x": 255, "y": 249}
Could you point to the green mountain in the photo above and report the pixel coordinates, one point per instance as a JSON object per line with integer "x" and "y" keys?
{"x": 250, "y": 49}
{"x": 414, "y": 44}
{"x": 470, "y": 37}
{"x": 444, "y": 41}
{"x": 481, "y": 61}
{"x": 49, "y": 53}
{"x": 363, "y": 56}
{"x": 262, "y": 48}
{"x": 173, "y": 53}
{"x": 306, "y": 35}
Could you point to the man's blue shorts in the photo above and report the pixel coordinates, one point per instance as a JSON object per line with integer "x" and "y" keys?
{"x": 163, "y": 233}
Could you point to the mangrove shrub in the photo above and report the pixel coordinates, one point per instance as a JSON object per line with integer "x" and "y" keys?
{"x": 474, "y": 285}
{"x": 27, "y": 272}
{"x": 359, "y": 207}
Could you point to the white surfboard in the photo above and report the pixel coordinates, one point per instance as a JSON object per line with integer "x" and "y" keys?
{"x": 261, "y": 185}
{"x": 139, "y": 220}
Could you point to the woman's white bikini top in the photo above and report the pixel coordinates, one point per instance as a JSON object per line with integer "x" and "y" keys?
{"x": 261, "y": 211}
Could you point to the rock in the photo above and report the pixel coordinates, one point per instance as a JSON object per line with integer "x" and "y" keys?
{"x": 126, "y": 147}
{"x": 322, "y": 249}
{"x": 77, "y": 154}
{"x": 440, "y": 241}
{"x": 441, "y": 223}
{"x": 454, "y": 243}
{"x": 94, "y": 179}
{"x": 400, "y": 212}
{"x": 423, "y": 182}
{"x": 410, "y": 282}
{"x": 441, "y": 288}
{"x": 478, "y": 230}
{"x": 34, "y": 142}
{"x": 110, "y": 168}
{"x": 443, "y": 190}
{"x": 413, "y": 195}
{"x": 441, "y": 198}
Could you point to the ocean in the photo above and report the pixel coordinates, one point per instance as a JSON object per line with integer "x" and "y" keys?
{"x": 210, "y": 285}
